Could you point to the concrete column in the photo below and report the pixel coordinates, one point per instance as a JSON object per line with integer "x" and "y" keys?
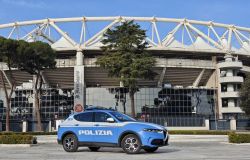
{"x": 1, "y": 127}
{"x": 231, "y": 103}
{"x": 218, "y": 86}
{"x": 49, "y": 126}
{"x": 233, "y": 124}
{"x": 34, "y": 117}
{"x": 79, "y": 83}
{"x": 207, "y": 124}
{"x": 229, "y": 73}
{"x": 230, "y": 88}
{"x": 25, "y": 126}
{"x": 58, "y": 122}
{"x": 79, "y": 58}
{"x": 228, "y": 58}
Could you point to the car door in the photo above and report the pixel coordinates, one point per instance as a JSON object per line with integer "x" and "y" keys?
{"x": 84, "y": 126}
{"x": 106, "y": 132}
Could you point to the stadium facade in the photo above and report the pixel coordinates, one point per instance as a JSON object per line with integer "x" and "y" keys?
{"x": 200, "y": 65}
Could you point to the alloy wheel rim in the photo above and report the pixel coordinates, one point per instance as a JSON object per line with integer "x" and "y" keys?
{"x": 69, "y": 143}
{"x": 131, "y": 144}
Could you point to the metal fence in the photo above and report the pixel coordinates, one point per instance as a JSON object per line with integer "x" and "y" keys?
{"x": 178, "y": 121}
{"x": 222, "y": 124}
{"x": 15, "y": 125}
{"x": 243, "y": 124}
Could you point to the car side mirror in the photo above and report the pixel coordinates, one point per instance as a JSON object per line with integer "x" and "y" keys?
{"x": 110, "y": 120}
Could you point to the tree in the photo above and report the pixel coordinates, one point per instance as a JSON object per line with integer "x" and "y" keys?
{"x": 8, "y": 54}
{"x": 125, "y": 57}
{"x": 34, "y": 57}
{"x": 245, "y": 95}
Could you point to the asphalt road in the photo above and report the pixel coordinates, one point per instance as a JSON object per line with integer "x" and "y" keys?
{"x": 176, "y": 150}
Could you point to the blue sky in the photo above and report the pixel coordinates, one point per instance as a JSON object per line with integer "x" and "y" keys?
{"x": 224, "y": 11}
{"x": 235, "y": 12}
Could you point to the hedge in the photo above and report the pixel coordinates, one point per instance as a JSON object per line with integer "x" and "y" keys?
{"x": 28, "y": 133}
{"x": 238, "y": 138}
{"x": 17, "y": 139}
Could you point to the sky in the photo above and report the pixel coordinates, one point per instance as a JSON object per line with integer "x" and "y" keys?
{"x": 235, "y": 12}
{"x": 223, "y": 11}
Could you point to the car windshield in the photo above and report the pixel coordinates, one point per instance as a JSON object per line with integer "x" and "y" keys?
{"x": 122, "y": 117}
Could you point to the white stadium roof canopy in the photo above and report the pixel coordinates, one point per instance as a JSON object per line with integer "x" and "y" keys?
{"x": 164, "y": 34}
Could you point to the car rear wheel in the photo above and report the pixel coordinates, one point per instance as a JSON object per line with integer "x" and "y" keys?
{"x": 94, "y": 149}
{"x": 70, "y": 143}
{"x": 151, "y": 149}
{"x": 131, "y": 144}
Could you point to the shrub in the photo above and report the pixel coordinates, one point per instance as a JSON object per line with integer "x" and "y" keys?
{"x": 17, "y": 139}
{"x": 239, "y": 138}
{"x": 28, "y": 133}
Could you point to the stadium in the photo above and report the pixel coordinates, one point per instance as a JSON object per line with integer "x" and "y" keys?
{"x": 200, "y": 67}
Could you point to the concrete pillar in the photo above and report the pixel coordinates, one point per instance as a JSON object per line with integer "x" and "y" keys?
{"x": 232, "y": 124}
{"x": 79, "y": 58}
{"x": 79, "y": 83}
{"x": 207, "y": 124}
{"x": 1, "y": 127}
{"x": 218, "y": 86}
{"x": 25, "y": 126}
{"x": 49, "y": 126}
{"x": 229, "y": 73}
{"x": 228, "y": 58}
{"x": 230, "y": 87}
{"x": 231, "y": 103}
{"x": 58, "y": 122}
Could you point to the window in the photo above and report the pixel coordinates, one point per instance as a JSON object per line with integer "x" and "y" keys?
{"x": 84, "y": 117}
{"x": 224, "y": 102}
{"x": 122, "y": 117}
{"x": 101, "y": 117}
{"x": 223, "y": 88}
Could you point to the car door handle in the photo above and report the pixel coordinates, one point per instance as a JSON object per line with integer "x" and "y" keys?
{"x": 76, "y": 124}
{"x": 96, "y": 125}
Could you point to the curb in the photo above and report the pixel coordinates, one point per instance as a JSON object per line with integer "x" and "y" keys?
{"x": 17, "y": 145}
{"x": 237, "y": 144}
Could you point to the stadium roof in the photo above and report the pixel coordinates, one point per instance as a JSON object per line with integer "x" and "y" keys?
{"x": 162, "y": 33}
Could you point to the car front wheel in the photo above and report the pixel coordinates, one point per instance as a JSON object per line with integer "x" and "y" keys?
{"x": 70, "y": 143}
{"x": 131, "y": 144}
{"x": 150, "y": 150}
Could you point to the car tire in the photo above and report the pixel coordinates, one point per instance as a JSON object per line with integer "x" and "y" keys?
{"x": 94, "y": 149}
{"x": 70, "y": 143}
{"x": 151, "y": 149}
{"x": 131, "y": 144}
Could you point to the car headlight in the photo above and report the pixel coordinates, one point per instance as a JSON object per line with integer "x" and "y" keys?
{"x": 153, "y": 130}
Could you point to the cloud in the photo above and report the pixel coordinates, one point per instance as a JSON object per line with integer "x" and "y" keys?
{"x": 26, "y": 3}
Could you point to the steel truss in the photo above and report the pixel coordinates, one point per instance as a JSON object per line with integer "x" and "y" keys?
{"x": 174, "y": 34}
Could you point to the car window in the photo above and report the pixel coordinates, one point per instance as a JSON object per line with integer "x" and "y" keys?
{"x": 84, "y": 117}
{"x": 122, "y": 117}
{"x": 101, "y": 117}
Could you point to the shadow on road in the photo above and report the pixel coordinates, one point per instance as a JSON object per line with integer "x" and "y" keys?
{"x": 118, "y": 150}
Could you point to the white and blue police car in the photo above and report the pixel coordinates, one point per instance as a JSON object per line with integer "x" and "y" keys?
{"x": 97, "y": 128}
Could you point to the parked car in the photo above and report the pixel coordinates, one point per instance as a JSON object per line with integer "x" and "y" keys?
{"x": 97, "y": 128}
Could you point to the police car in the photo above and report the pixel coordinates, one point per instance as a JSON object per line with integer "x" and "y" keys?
{"x": 97, "y": 128}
